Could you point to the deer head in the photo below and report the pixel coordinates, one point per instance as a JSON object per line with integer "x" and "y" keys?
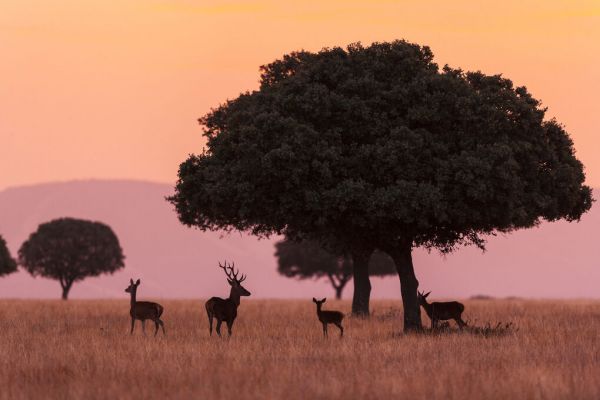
{"x": 233, "y": 280}
{"x": 132, "y": 286}
{"x": 422, "y": 298}
{"x": 319, "y": 302}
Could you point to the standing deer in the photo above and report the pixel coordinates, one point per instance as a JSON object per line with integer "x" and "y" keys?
{"x": 329, "y": 317}
{"x": 226, "y": 309}
{"x": 438, "y": 311}
{"x": 144, "y": 310}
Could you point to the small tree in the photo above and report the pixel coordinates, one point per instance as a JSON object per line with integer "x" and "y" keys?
{"x": 306, "y": 260}
{"x": 7, "y": 264}
{"x": 70, "y": 250}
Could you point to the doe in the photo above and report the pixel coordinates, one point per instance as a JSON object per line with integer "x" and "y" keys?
{"x": 329, "y": 317}
{"x": 442, "y": 311}
{"x": 144, "y": 310}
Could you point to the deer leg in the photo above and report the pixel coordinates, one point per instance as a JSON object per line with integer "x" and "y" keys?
{"x": 162, "y": 325}
{"x": 458, "y": 323}
{"x": 132, "y": 325}
{"x": 229, "y": 326}
{"x": 155, "y": 327}
{"x": 144, "y": 327}
{"x": 339, "y": 325}
{"x": 325, "y": 329}
{"x": 210, "y": 321}
{"x": 219, "y": 327}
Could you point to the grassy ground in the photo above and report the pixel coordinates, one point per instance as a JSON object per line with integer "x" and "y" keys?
{"x": 82, "y": 349}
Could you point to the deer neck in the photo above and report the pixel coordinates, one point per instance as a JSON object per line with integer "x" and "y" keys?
{"x": 133, "y": 295}
{"x": 234, "y": 297}
{"x": 319, "y": 311}
{"x": 428, "y": 308}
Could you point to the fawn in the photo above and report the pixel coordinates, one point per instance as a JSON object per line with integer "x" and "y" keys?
{"x": 226, "y": 309}
{"x": 144, "y": 310}
{"x": 329, "y": 317}
{"x": 438, "y": 311}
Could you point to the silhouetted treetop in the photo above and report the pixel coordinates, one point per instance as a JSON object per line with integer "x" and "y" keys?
{"x": 69, "y": 250}
{"x": 306, "y": 260}
{"x": 310, "y": 260}
{"x": 379, "y": 136}
{"x": 7, "y": 264}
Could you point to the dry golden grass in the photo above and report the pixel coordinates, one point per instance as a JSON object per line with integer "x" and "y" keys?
{"x": 82, "y": 349}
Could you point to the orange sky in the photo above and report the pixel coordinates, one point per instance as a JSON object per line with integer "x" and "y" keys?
{"x": 103, "y": 89}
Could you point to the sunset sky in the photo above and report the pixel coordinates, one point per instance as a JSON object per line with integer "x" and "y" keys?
{"x": 105, "y": 89}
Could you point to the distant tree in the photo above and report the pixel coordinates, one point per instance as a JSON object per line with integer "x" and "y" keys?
{"x": 377, "y": 147}
{"x": 7, "y": 264}
{"x": 70, "y": 250}
{"x": 306, "y": 260}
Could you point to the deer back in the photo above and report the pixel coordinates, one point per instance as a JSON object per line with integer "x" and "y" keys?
{"x": 446, "y": 310}
{"x": 146, "y": 310}
{"x": 222, "y": 309}
{"x": 330, "y": 316}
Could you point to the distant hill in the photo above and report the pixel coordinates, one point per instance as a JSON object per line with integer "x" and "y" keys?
{"x": 554, "y": 260}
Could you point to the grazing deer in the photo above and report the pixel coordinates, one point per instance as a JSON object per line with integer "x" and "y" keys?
{"x": 329, "y": 317}
{"x": 144, "y": 310}
{"x": 442, "y": 311}
{"x": 226, "y": 309}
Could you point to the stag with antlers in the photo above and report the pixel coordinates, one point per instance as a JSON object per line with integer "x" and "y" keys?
{"x": 226, "y": 309}
{"x": 442, "y": 311}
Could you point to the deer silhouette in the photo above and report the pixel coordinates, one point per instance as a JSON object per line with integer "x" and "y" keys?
{"x": 442, "y": 311}
{"x": 329, "y": 317}
{"x": 144, "y": 310}
{"x": 226, "y": 309}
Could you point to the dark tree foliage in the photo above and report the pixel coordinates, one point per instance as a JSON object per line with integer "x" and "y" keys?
{"x": 308, "y": 260}
{"x": 70, "y": 250}
{"x": 7, "y": 264}
{"x": 377, "y": 147}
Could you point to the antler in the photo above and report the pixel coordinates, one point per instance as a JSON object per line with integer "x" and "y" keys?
{"x": 224, "y": 267}
{"x": 231, "y": 273}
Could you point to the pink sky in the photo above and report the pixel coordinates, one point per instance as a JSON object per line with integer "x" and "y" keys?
{"x": 100, "y": 89}
{"x": 557, "y": 260}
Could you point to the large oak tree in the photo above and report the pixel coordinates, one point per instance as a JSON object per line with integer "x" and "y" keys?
{"x": 70, "y": 250}
{"x": 377, "y": 147}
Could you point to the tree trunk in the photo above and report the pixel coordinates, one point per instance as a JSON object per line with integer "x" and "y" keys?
{"x": 362, "y": 284}
{"x": 337, "y": 286}
{"x": 402, "y": 256}
{"x": 338, "y": 292}
{"x": 65, "y": 290}
{"x": 343, "y": 281}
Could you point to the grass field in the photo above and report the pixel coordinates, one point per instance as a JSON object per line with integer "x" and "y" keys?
{"x": 82, "y": 349}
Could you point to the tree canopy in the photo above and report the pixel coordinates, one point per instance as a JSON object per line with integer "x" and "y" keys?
{"x": 308, "y": 260}
{"x": 7, "y": 264}
{"x": 379, "y": 147}
{"x": 70, "y": 250}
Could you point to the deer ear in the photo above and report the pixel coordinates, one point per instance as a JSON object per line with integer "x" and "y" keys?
{"x": 230, "y": 281}
{"x": 426, "y": 294}
{"x": 324, "y": 299}
{"x": 131, "y": 281}
{"x": 137, "y": 282}
{"x": 314, "y": 300}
